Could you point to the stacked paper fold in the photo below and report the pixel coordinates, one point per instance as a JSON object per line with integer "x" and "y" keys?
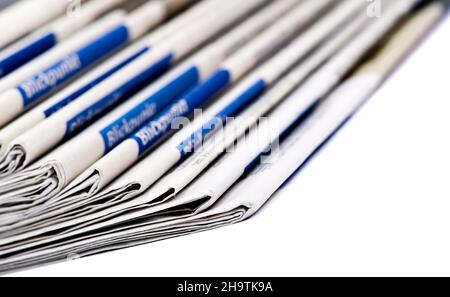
{"x": 190, "y": 128}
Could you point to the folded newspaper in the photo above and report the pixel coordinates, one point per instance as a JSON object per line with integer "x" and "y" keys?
{"x": 208, "y": 202}
{"x": 76, "y": 201}
{"x": 83, "y": 201}
{"x": 60, "y": 165}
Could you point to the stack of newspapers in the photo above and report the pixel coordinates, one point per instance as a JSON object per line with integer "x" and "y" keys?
{"x": 128, "y": 122}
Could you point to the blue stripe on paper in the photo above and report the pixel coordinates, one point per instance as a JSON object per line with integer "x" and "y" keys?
{"x": 46, "y": 81}
{"x": 85, "y": 117}
{"x": 64, "y": 102}
{"x": 123, "y": 127}
{"x": 27, "y": 53}
{"x": 149, "y": 134}
{"x": 157, "y": 128}
{"x": 232, "y": 109}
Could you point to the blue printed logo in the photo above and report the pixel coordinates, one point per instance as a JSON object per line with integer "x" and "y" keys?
{"x": 38, "y": 85}
{"x": 150, "y": 133}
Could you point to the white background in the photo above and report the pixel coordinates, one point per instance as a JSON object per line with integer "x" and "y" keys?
{"x": 374, "y": 201}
